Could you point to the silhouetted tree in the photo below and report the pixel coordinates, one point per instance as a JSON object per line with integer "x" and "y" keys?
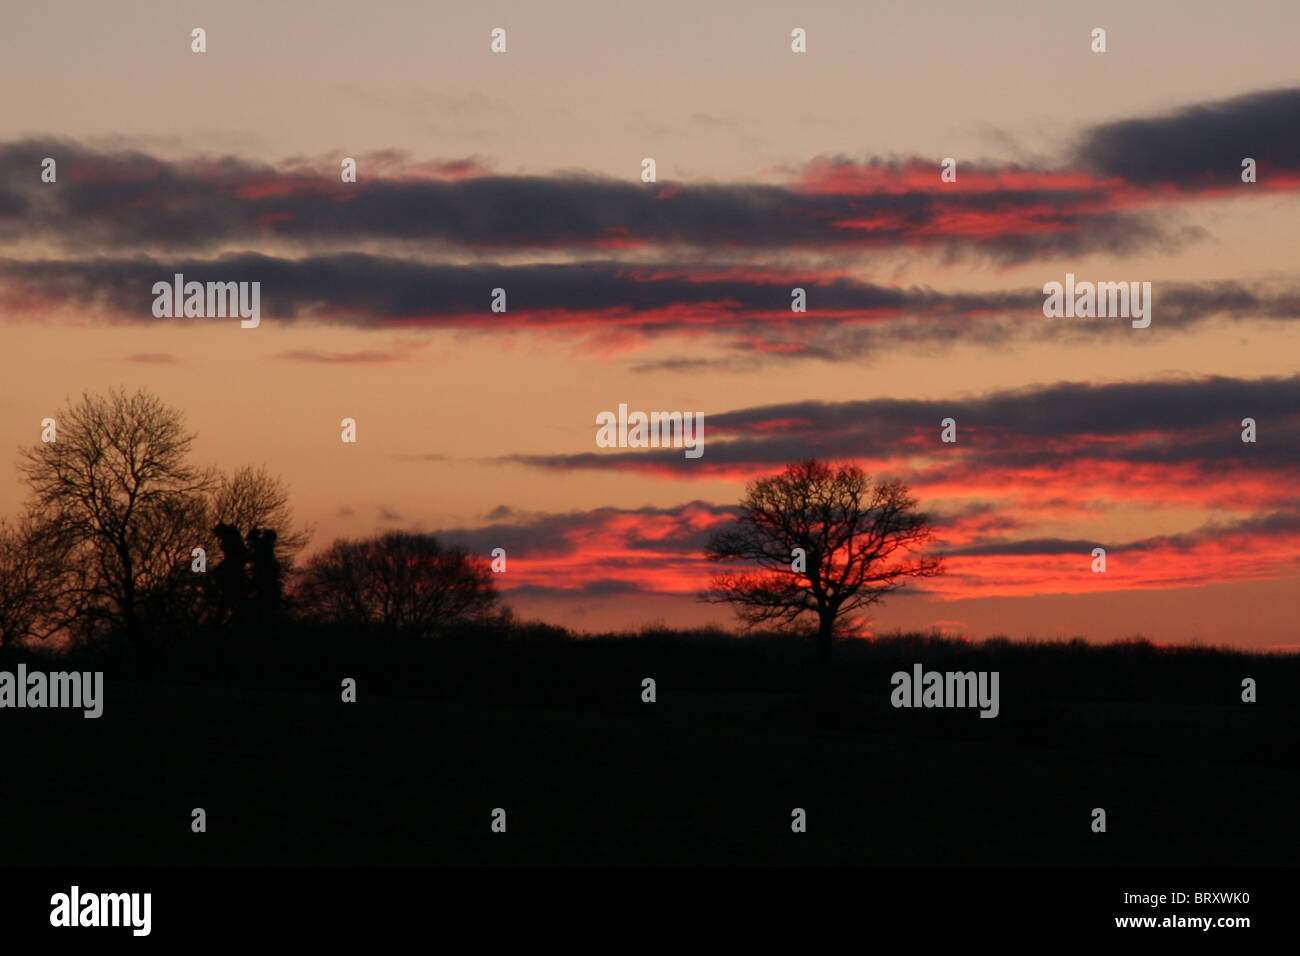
{"x": 229, "y": 576}
{"x": 121, "y": 505}
{"x": 856, "y": 541}
{"x": 401, "y": 583}
{"x": 267, "y": 578}
{"x": 252, "y": 499}
{"x": 33, "y": 577}
{"x": 245, "y": 588}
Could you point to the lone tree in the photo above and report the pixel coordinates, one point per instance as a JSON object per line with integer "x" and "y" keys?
{"x": 827, "y": 542}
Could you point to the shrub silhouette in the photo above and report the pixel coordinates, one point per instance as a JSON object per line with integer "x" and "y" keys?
{"x": 398, "y": 584}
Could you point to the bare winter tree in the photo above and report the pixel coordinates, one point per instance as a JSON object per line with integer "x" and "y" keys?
{"x": 827, "y": 542}
{"x": 402, "y": 583}
{"x": 116, "y": 498}
{"x": 252, "y": 499}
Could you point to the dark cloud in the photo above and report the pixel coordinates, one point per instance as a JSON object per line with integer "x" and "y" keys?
{"x": 130, "y": 199}
{"x": 1066, "y": 408}
{"x": 1200, "y": 144}
{"x": 1282, "y": 523}
{"x": 846, "y": 319}
{"x": 133, "y": 200}
{"x": 1194, "y": 422}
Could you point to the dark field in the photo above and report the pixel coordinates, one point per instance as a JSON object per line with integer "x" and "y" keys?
{"x": 552, "y": 729}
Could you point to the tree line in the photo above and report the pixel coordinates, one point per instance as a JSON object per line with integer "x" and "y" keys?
{"x": 125, "y": 542}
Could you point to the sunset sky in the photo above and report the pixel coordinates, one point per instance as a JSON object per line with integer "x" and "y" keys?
{"x": 775, "y": 170}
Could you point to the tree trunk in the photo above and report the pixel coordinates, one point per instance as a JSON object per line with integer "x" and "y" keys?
{"x": 824, "y": 634}
{"x": 128, "y": 639}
